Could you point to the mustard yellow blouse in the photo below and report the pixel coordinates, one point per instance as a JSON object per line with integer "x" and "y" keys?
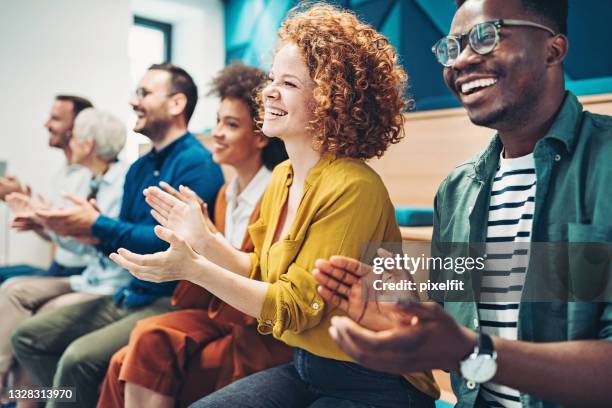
{"x": 345, "y": 207}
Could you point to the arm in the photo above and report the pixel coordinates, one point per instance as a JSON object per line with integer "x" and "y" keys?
{"x": 181, "y": 262}
{"x": 573, "y": 373}
{"x": 139, "y": 236}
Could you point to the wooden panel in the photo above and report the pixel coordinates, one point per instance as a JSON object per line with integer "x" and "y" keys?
{"x": 436, "y": 142}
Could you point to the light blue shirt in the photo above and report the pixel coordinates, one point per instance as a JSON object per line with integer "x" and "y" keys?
{"x": 101, "y": 276}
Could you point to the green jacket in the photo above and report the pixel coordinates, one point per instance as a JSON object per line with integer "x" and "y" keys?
{"x": 573, "y": 204}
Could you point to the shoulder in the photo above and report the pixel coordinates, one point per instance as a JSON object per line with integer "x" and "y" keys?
{"x": 599, "y": 136}
{"x": 353, "y": 178}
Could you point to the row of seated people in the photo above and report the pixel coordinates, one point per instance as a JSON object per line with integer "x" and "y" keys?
{"x": 150, "y": 302}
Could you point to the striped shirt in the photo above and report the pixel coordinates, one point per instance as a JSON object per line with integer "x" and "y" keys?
{"x": 509, "y": 224}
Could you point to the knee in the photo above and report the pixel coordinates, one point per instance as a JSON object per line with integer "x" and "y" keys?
{"x": 12, "y": 288}
{"x": 73, "y": 361}
{"x": 150, "y": 336}
{"x": 23, "y": 341}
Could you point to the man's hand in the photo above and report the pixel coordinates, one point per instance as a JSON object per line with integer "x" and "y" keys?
{"x": 11, "y": 184}
{"x": 183, "y": 212}
{"x": 432, "y": 340}
{"x": 394, "y": 337}
{"x": 75, "y": 220}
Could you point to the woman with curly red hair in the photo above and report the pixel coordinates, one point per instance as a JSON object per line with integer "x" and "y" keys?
{"x": 335, "y": 97}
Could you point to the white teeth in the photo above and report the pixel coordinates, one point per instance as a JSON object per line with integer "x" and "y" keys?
{"x": 479, "y": 83}
{"x": 275, "y": 112}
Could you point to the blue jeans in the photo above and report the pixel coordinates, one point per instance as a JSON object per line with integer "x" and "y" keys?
{"x": 316, "y": 382}
{"x": 55, "y": 269}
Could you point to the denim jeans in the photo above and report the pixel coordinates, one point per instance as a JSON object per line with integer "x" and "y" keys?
{"x": 316, "y": 382}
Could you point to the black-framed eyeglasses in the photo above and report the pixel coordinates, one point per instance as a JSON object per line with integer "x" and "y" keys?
{"x": 483, "y": 38}
{"x": 142, "y": 93}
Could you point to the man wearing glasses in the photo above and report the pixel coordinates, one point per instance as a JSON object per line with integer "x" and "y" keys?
{"x": 545, "y": 177}
{"x": 72, "y": 346}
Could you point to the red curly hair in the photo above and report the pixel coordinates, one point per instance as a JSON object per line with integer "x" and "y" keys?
{"x": 359, "y": 85}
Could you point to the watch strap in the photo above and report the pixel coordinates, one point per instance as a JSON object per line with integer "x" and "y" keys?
{"x": 485, "y": 344}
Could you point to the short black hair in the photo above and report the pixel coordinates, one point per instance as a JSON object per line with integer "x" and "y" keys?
{"x": 243, "y": 82}
{"x": 552, "y": 13}
{"x": 78, "y": 103}
{"x": 180, "y": 82}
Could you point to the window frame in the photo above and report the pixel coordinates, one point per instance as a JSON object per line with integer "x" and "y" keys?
{"x": 164, "y": 28}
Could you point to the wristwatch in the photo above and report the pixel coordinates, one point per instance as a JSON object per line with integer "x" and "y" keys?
{"x": 480, "y": 366}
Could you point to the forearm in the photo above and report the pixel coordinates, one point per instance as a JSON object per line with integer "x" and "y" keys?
{"x": 244, "y": 294}
{"x": 575, "y": 373}
{"x": 222, "y": 253}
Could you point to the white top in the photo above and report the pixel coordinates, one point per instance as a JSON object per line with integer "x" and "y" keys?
{"x": 240, "y": 205}
{"x": 70, "y": 179}
{"x": 509, "y": 226}
{"x": 101, "y": 276}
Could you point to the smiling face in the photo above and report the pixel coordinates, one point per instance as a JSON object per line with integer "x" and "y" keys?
{"x": 500, "y": 89}
{"x": 288, "y": 99}
{"x": 60, "y": 122}
{"x": 152, "y": 107}
{"x": 235, "y": 138}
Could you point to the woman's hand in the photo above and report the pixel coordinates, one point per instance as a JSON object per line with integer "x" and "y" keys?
{"x": 176, "y": 263}
{"x": 182, "y": 212}
{"x": 343, "y": 282}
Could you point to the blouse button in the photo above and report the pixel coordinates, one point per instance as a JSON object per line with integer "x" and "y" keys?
{"x": 557, "y": 157}
{"x": 315, "y": 306}
{"x": 156, "y": 173}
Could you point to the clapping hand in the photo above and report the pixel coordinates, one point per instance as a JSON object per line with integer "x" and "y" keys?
{"x": 183, "y": 212}
{"x": 394, "y": 337}
{"x": 343, "y": 283}
{"x": 175, "y": 263}
{"x": 75, "y": 221}
{"x": 23, "y": 208}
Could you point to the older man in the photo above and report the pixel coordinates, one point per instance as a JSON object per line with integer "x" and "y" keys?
{"x": 72, "y": 347}
{"x": 545, "y": 178}
{"x": 70, "y": 178}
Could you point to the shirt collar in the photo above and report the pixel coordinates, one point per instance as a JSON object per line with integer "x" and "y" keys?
{"x": 115, "y": 170}
{"x": 565, "y": 129}
{"x": 159, "y": 156}
{"x": 253, "y": 191}
{"x": 566, "y": 126}
{"x": 314, "y": 172}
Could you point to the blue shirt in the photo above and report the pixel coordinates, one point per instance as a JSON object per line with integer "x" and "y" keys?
{"x": 185, "y": 161}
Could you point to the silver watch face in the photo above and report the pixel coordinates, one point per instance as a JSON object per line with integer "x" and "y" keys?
{"x": 479, "y": 368}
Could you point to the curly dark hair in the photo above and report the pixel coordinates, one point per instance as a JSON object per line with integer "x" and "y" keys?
{"x": 359, "y": 85}
{"x": 552, "y": 13}
{"x": 243, "y": 82}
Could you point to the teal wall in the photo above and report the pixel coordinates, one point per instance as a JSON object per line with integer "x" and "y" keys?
{"x": 413, "y": 26}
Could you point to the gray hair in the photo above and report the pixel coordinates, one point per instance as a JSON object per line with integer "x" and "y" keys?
{"x": 106, "y": 130}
